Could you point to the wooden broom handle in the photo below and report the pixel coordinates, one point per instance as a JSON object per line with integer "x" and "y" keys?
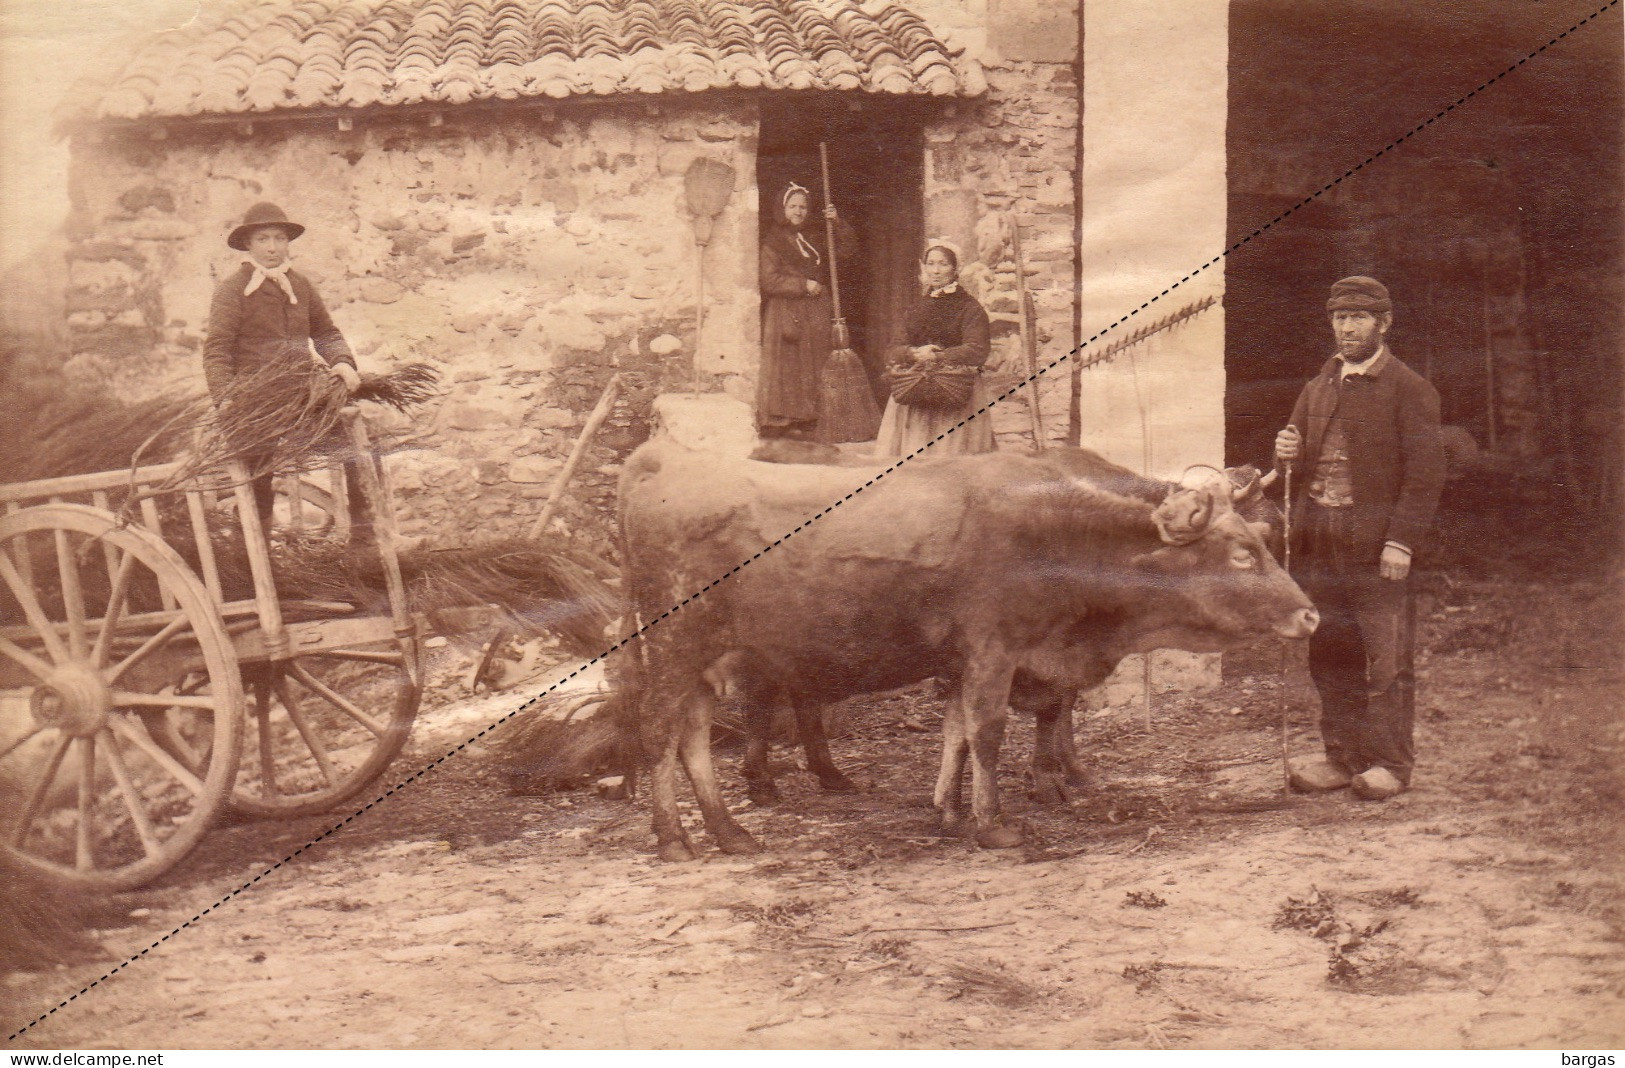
{"x": 829, "y": 240}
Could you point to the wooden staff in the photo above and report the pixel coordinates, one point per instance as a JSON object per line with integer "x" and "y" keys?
{"x": 1027, "y": 347}
{"x": 594, "y": 421}
{"x": 1286, "y": 643}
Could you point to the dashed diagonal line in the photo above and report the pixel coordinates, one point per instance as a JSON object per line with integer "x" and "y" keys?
{"x": 702, "y": 591}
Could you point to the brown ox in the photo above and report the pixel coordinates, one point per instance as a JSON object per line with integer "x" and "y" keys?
{"x": 969, "y": 568}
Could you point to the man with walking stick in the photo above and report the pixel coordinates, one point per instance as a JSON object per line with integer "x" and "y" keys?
{"x": 1364, "y": 442}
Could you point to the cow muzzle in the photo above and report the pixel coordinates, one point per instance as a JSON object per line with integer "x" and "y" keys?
{"x": 1300, "y": 624}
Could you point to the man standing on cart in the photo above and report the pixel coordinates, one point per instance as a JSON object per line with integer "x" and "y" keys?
{"x": 263, "y": 322}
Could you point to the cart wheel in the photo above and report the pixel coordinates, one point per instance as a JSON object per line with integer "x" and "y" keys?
{"x": 311, "y": 510}
{"x": 322, "y": 726}
{"x": 100, "y": 626}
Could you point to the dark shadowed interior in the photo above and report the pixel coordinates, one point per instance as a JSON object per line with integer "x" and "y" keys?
{"x": 1497, "y": 229}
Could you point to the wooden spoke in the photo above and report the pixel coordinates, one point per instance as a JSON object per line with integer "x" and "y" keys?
{"x": 132, "y": 798}
{"x": 73, "y": 594}
{"x": 313, "y": 741}
{"x": 37, "y": 798}
{"x": 262, "y": 706}
{"x": 137, "y": 736}
{"x": 36, "y": 667}
{"x": 336, "y": 699}
{"x": 131, "y": 699}
{"x": 115, "y": 609}
{"x": 84, "y": 855}
{"x": 21, "y": 741}
{"x": 37, "y": 619}
{"x": 172, "y": 628}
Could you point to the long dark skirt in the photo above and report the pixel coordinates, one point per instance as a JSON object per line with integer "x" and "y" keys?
{"x": 795, "y": 347}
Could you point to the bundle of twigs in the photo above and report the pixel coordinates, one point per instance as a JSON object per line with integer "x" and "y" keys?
{"x": 564, "y": 740}
{"x": 401, "y": 389}
{"x": 545, "y": 586}
{"x": 285, "y": 417}
{"x": 281, "y": 417}
{"x": 49, "y": 432}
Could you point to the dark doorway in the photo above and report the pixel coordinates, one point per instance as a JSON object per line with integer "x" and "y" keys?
{"x": 1274, "y": 325}
{"x": 1497, "y": 229}
{"x": 876, "y": 161}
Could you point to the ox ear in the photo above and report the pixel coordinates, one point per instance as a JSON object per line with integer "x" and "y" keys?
{"x": 1187, "y": 513}
{"x": 1244, "y": 482}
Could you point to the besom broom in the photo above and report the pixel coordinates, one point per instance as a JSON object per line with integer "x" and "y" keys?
{"x": 846, "y": 406}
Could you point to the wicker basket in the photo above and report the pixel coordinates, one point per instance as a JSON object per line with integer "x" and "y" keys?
{"x": 944, "y": 386}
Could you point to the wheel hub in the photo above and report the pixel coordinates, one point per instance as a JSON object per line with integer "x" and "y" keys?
{"x": 74, "y": 699}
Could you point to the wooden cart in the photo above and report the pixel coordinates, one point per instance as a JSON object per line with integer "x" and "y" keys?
{"x": 130, "y": 685}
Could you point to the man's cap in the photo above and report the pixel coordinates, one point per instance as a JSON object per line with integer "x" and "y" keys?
{"x": 1359, "y": 293}
{"x": 262, "y": 214}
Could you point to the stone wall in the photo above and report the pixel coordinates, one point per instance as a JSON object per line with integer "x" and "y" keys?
{"x": 989, "y": 162}
{"x": 527, "y": 253}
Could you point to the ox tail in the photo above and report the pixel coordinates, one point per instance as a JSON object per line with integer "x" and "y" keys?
{"x": 41, "y": 924}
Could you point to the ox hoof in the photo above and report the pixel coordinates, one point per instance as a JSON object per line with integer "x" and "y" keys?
{"x": 1077, "y": 776}
{"x": 739, "y": 844}
{"x": 1000, "y": 836}
{"x": 762, "y": 793}
{"x": 674, "y": 852}
{"x": 836, "y": 783}
{"x": 1050, "y": 790}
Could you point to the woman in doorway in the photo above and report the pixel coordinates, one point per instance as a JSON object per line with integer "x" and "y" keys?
{"x": 946, "y": 326}
{"x": 795, "y": 316}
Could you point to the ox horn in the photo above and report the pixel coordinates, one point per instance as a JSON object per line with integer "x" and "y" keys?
{"x": 1202, "y": 476}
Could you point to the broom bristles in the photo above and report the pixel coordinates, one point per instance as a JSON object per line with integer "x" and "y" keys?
{"x": 846, "y": 409}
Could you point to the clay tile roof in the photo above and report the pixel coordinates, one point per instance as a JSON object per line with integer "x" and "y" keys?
{"x": 255, "y": 56}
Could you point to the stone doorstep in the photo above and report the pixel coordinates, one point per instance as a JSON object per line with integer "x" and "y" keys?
{"x": 708, "y": 422}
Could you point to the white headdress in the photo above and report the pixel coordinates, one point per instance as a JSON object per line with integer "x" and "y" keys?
{"x": 943, "y": 242}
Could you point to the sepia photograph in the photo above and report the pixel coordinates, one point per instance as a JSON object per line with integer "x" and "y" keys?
{"x": 812, "y": 524}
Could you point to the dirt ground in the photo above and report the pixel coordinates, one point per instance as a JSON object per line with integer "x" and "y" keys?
{"x": 1182, "y": 901}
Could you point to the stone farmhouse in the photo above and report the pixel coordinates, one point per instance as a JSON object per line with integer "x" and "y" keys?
{"x": 499, "y": 187}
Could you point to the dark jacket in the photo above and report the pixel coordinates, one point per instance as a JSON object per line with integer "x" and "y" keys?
{"x": 954, "y": 322}
{"x": 249, "y": 333}
{"x": 1396, "y": 457}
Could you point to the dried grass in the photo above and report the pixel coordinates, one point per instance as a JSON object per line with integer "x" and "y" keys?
{"x": 555, "y": 748}
{"x": 40, "y": 923}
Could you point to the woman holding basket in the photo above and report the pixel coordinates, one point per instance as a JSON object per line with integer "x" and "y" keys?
{"x": 936, "y": 366}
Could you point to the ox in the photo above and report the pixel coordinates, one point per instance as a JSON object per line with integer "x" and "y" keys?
{"x": 1047, "y": 683}
{"x": 968, "y": 568}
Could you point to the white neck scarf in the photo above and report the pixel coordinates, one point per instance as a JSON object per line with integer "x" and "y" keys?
{"x": 279, "y": 275}
{"x": 807, "y": 251}
{"x": 942, "y": 291}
